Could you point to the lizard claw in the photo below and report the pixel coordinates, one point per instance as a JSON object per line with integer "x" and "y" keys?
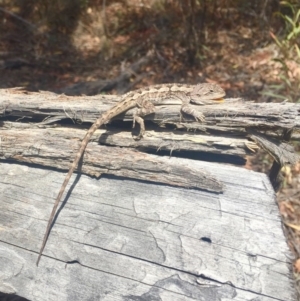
{"x": 200, "y": 118}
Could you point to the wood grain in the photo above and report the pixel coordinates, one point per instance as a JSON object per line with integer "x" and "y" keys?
{"x": 56, "y": 147}
{"x": 229, "y": 116}
{"x": 122, "y": 239}
{"x": 119, "y": 239}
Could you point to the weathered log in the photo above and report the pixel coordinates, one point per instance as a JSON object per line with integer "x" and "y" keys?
{"x": 56, "y": 148}
{"x": 231, "y": 116}
{"x": 122, "y": 239}
{"x": 118, "y": 239}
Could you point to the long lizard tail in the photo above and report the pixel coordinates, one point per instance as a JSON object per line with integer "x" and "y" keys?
{"x": 66, "y": 181}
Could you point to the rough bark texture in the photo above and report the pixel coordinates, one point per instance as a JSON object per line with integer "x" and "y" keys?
{"x": 57, "y": 147}
{"x": 232, "y": 115}
{"x": 225, "y": 131}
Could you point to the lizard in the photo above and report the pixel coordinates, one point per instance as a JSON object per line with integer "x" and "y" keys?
{"x": 144, "y": 100}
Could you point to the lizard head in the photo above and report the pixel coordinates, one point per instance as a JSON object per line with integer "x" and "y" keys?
{"x": 207, "y": 93}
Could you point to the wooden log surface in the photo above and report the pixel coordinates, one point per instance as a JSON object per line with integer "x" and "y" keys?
{"x": 122, "y": 239}
{"x": 224, "y": 132}
{"x": 231, "y": 114}
{"x": 56, "y": 147}
{"x": 119, "y": 239}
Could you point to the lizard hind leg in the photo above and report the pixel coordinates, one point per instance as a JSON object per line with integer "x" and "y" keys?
{"x": 145, "y": 108}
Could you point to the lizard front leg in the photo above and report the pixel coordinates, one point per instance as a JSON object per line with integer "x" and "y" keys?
{"x": 190, "y": 110}
{"x": 145, "y": 108}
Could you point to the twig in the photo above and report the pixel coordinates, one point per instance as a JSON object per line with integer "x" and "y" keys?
{"x": 19, "y": 18}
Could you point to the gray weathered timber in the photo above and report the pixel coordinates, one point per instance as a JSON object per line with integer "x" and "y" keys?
{"x": 55, "y": 147}
{"x": 230, "y": 116}
{"x": 225, "y": 131}
{"x": 18, "y": 137}
{"x": 119, "y": 239}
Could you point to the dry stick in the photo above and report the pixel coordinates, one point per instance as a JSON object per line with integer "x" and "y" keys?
{"x": 19, "y": 18}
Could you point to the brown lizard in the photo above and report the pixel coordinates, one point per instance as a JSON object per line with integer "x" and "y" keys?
{"x": 145, "y": 100}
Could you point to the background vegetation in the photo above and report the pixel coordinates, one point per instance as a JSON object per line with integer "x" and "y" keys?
{"x": 249, "y": 46}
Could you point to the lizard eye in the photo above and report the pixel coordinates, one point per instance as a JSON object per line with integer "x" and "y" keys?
{"x": 211, "y": 90}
